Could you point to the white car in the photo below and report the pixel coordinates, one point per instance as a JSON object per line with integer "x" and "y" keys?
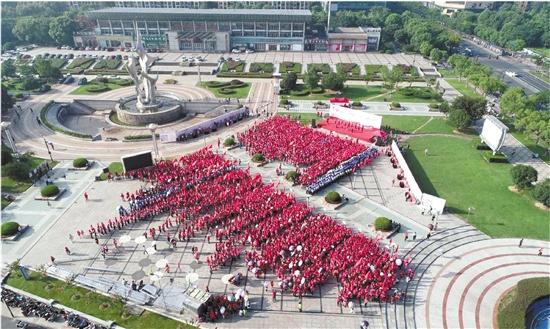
{"x": 511, "y": 74}
{"x": 249, "y": 51}
{"x": 236, "y": 51}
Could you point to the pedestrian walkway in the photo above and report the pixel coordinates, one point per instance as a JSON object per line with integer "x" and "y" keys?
{"x": 517, "y": 153}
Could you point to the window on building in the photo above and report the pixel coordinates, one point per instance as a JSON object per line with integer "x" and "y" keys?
{"x": 104, "y": 24}
{"x": 223, "y": 26}
{"x": 261, "y": 33}
{"x": 152, "y": 25}
{"x": 260, "y": 26}
{"x": 248, "y": 33}
{"x": 298, "y": 26}
{"x": 176, "y": 25}
{"x": 285, "y": 26}
{"x": 299, "y": 34}
{"x": 273, "y": 26}
{"x": 236, "y": 26}
{"x": 116, "y": 24}
{"x": 273, "y": 34}
{"x": 163, "y": 25}
{"x": 285, "y": 34}
{"x": 187, "y": 26}
{"x": 212, "y": 26}
{"x": 249, "y": 26}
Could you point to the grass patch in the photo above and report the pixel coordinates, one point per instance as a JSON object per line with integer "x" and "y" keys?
{"x": 97, "y": 305}
{"x": 114, "y": 168}
{"x": 350, "y": 69}
{"x": 239, "y": 93}
{"x": 304, "y": 118}
{"x": 447, "y": 73}
{"x": 404, "y": 123}
{"x": 374, "y": 69}
{"x": 11, "y": 185}
{"x": 261, "y": 68}
{"x": 109, "y": 64}
{"x": 457, "y": 172}
{"x": 5, "y": 203}
{"x": 545, "y": 52}
{"x": 94, "y": 87}
{"x": 463, "y": 88}
{"x": 400, "y": 96}
{"x": 512, "y": 308}
{"x": 81, "y": 63}
{"x": 437, "y": 125}
{"x": 354, "y": 92}
{"x": 232, "y": 66}
{"x": 286, "y": 67}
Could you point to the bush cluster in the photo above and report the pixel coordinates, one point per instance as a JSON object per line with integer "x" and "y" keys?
{"x": 333, "y": 197}
{"x": 424, "y": 93}
{"x": 395, "y": 104}
{"x": 170, "y": 81}
{"x": 541, "y": 192}
{"x": 49, "y": 190}
{"x": 9, "y": 228}
{"x": 291, "y": 176}
{"x": 258, "y": 157}
{"x": 357, "y": 104}
{"x": 97, "y": 88}
{"x": 382, "y": 224}
{"x": 80, "y": 162}
{"x": 523, "y": 176}
{"x": 261, "y": 67}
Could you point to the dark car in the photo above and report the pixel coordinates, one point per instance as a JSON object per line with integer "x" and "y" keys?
{"x": 68, "y": 80}
{"x": 82, "y": 81}
{"x": 61, "y": 80}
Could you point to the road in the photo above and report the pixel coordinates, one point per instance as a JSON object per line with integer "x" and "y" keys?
{"x": 525, "y": 80}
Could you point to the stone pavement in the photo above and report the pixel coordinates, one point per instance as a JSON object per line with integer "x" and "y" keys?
{"x": 380, "y": 108}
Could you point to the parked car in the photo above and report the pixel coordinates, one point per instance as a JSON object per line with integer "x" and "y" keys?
{"x": 236, "y": 51}
{"x": 82, "y": 81}
{"x": 249, "y": 51}
{"x": 69, "y": 80}
{"x": 61, "y": 80}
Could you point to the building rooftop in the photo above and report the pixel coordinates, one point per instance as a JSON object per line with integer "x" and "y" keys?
{"x": 293, "y": 15}
{"x": 354, "y": 32}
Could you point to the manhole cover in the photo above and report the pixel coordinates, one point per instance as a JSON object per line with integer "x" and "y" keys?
{"x": 145, "y": 262}
{"x": 138, "y": 275}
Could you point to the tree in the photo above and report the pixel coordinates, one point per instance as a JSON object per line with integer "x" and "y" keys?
{"x": 18, "y": 170}
{"x": 491, "y": 85}
{"x": 311, "y": 79}
{"x": 289, "y": 82}
{"x": 333, "y": 81}
{"x": 61, "y": 30}
{"x": 8, "y": 69}
{"x": 27, "y": 70}
{"x": 541, "y": 192}
{"x": 8, "y": 45}
{"x": 45, "y": 69}
{"x": 474, "y": 106}
{"x": 460, "y": 64}
{"x": 32, "y": 29}
{"x": 7, "y": 100}
{"x": 512, "y": 100}
{"x": 523, "y": 176}
{"x": 425, "y": 48}
{"x": 459, "y": 118}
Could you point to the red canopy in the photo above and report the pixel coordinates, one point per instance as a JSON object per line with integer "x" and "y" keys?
{"x": 339, "y": 100}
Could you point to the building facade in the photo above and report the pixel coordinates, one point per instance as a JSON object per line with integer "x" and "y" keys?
{"x": 158, "y": 4}
{"x": 202, "y": 29}
{"x": 354, "y": 39}
{"x": 450, "y": 7}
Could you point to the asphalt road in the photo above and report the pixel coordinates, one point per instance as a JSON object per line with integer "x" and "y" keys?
{"x": 525, "y": 80}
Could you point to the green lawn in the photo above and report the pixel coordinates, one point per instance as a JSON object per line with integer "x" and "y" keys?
{"x": 513, "y": 306}
{"x": 85, "y": 89}
{"x": 240, "y": 93}
{"x": 86, "y": 301}
{"x": 462, "y": 87}
{"x": 353, "y": 92}
{"x": 457, "y": 172}
{"x": 114, "y": 167}
{"x": 304, "y": 118}
{"x": 545, "y": 76}
{"x": 404, "y": 123}
{"x": 437, "y": 125}
{"x": 11, "y": 185}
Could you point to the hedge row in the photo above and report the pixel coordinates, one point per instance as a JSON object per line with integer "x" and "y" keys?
{"x": 261, "y": 68}
{"x": 105, "y": 71}
{"x": 111, "y": 64}
{"x": 81, "y": 63}
{"x": 243, "y": 75}
{"x": 45, "y": 121}
{"x": 285, "y": 67}
{"x": 140, "y": 137}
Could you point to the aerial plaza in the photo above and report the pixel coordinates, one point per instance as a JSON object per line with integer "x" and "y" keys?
{"x": 274, "y": 165}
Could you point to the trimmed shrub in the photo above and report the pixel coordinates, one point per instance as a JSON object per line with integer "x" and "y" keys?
{"x": 170, "y": 81}
{"x": 258, "y": 157}
{"x": 226, "y": 91}
{"x": 80, "y": 162}
{"x": 228, "y": 142}
{"x": 382, "y": 224}
{"x": 216, "y": 84}
{"x": 357, "y": 104}
{"x": 434, "y": 105}
{"x": 299, "y": 92}
{"x": 523, "y": 176}
{"x": 333, "y": 197}
{"x": 102, "y": 79}
{"x": 236, "y": 82}
{"x": 49, "y": 190}
{"x": 498, "y": 158}
{"x": 284, "y": 101}
{"x": 483, "y": 147}
{"x": 9, "y": 228}
{"x": 122, "y": 82}
{"x": 395, "y": 104}
{"x": 291, "y": 176}
{"x": 541, "y": 192}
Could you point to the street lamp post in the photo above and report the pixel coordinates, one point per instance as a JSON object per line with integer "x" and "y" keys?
{"x": 153, "y": 127}
{"x": 48, "y": 148}
{"x": 9, "y": 137}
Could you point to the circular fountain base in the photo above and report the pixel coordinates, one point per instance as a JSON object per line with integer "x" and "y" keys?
{"x": 168, "y": 108}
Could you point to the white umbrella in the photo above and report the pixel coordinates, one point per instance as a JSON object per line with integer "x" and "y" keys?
{"x": 192, "y": 277}
{"x": 297, "y": 273}
{"x": 225, "y": 278}
{"x": 299, "y": 248}
{"x": 290, "y": 265}
{"x": 151, "y": 251}
{"x": 398, "y": 262}
{"x": 125, "y": 238}
{"x": 161, "y": 263}
{"x": 140, "y": 239}
{"x": 160, "y": 274}
{"x": 154, "y": 278}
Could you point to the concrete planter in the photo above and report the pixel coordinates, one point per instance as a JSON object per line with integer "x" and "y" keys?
{"x": 22, "y": 229}
{"x": 51, "y": 198}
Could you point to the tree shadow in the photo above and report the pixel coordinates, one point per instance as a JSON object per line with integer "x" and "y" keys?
{"x": 419, "y": 174}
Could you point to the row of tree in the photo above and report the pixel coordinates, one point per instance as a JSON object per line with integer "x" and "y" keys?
{"x": 40, "y": 22}
{"x": 477, "y": 74}
{"x": 313, "y": 79}
{"x": 528, "y": 114}
{"x": 508, "y": 25}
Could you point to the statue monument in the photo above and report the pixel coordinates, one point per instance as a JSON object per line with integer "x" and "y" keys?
{"x": 144, "y": 83}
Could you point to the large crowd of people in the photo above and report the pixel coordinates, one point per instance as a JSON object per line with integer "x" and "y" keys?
{"x": 313, "y": 152}
{"x": 204, "y": 193}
